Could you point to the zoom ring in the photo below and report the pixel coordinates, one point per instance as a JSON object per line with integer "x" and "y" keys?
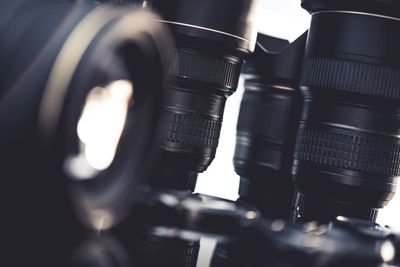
{"x": 276, "y": 114}
{"x": 351, "y": 76}
{"x": 376, "y": 155}
{"x": 190, "y": 130}
{"x": 196, "y": 66}
{"x": 158, "y": 251}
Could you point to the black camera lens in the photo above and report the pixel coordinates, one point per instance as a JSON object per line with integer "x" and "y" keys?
{"x": 110, "y": 115}
{"x": 267, "y": 125}
{"x": 81, "y": 89}
{"x": 346, "y": 159}
{"x": 212, "y": 37}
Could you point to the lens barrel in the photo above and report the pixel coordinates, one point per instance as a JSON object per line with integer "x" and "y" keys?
{"x": 211, "y": 44}
{"x": 346, "y": 159}
{"x": 267, "y": 125}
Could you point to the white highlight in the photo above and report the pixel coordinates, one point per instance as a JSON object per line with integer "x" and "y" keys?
{"x": 358, "y": 13}
{"x": 102, "y": 122}
{"x": 100, "y": 128}
{"x": 388, "y": 251}
{"x": 204, "y": 28}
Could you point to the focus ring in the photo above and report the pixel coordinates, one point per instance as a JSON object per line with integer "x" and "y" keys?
{"x": 351, "y": 76}
{"x": 159, "y": 251}
{"x": 190, "y": 130}
{"x": 348, "y": 150}
{"x": 276, "y": 114}
{"x": 196, "y": 66}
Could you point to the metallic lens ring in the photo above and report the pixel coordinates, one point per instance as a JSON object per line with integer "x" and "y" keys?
{"x": 357, "y": 13}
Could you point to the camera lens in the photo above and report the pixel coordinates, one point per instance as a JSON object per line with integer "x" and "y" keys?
{"x": 211, "y": 43}
{"x": 111, "y": 125}
{"x": 346, "y": 159}
{"x": 268, "y": 121}
{"x": 81, "y": 89}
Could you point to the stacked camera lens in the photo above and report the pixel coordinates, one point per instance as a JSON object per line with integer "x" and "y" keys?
{"x": 212, "y": 38}
{"x": 207, "y": 61}
{"x": 348, "y": 147}
{"x": 268, "y": 121}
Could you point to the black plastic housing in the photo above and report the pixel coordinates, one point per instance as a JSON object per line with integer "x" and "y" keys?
{"x": 348, "y": 146}
{"x": 267, "y": 125}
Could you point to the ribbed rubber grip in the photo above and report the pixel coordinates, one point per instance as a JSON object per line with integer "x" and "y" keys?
{"x": 191, "y": 118}
{"x": 155, "y": 251}
{"x": 351, "y": 76}
{"x": 200, "y": 67}
{"x": 188, "y": 129}
{"x": 372, "y": 154}
{"x": 274, "y": 121}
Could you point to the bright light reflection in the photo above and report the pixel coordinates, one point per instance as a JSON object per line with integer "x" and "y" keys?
{"x": 102, "y": 122}
{"x": 388, "y": 251}
{"x": 101, "y": 220}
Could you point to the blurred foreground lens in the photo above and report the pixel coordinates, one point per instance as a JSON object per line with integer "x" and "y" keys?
{"x": 348, "y": 146}
{"x": 112, "y": 118}
{"x": 81, "y": 88}
{"x": 212, "y": 38}
{"x": 268, "y": 121}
